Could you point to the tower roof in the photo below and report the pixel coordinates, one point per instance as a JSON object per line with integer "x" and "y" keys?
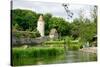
{"x": 40, "y": 18}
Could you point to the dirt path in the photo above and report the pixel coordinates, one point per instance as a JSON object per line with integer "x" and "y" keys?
{"x": 89, "y": 49}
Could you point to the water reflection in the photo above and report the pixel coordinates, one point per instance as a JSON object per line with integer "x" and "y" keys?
{"x": 72, "y": 56}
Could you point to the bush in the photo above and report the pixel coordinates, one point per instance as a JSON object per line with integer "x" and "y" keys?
{"x": 74, "y": 47}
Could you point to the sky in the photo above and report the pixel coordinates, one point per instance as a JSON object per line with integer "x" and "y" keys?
{"x": 56, "y": 9}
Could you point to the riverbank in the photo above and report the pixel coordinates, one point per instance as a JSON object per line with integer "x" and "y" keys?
{"x": 89, "y": 50}
{"x": 33, "y": 55}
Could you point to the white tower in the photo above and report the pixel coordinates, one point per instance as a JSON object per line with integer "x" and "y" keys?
{"x": 40, "y": 25}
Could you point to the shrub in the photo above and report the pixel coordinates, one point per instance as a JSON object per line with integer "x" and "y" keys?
{"x": 74, "y": 47}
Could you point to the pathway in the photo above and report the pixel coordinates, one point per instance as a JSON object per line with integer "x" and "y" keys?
{"x": 89, "y": 49}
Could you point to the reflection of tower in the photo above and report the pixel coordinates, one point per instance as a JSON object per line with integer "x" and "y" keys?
{"x": 40, "y": 25}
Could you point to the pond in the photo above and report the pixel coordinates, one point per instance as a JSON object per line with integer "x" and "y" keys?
{"x": 69, "y": 57}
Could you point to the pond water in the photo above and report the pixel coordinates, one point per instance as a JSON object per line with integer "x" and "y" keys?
{"x": 69, "y": 57}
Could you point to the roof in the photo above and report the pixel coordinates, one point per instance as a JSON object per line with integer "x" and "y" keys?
{"x": 41, "y": 18}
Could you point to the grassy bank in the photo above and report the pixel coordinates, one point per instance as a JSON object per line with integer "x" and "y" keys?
{"x": 19, "y": 54}
{"x": 36, "y": 52}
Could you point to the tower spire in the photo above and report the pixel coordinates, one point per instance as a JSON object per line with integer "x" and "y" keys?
{"x": 40, "y": 18}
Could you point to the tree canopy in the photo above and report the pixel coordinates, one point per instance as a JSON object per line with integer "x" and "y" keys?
{"x": 26, "y": 20}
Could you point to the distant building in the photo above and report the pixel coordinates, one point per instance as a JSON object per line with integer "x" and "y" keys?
{"x": 41, "y": 26}
{"x": 53, "y": 34}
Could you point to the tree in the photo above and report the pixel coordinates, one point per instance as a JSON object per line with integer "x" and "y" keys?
{"x": 75, "y": 28}
{"x": 47, "y": 17}
{"x": 26, "y": 19}
{"x": 84, "y": 30}
{"x": 60, "y": 24}
{"x": 87, "y": 31}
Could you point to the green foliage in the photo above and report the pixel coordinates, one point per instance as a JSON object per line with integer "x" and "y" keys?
{"x": 35, "y": 52}
{"x": 25, "y": 19}
{"x": 75, "y": 26}
{"x": 47, "y": 17}
{"x": 73, "y": 44}
{"x": 74, "y": 47}
{"x": 60, "y": 24}
{"x": 86, "y": 30}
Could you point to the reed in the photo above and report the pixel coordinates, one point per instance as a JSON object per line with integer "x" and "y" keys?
{"x": 36, "y": 52}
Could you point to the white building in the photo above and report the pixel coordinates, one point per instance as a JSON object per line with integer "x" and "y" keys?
{"x": 41, "y": 26}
